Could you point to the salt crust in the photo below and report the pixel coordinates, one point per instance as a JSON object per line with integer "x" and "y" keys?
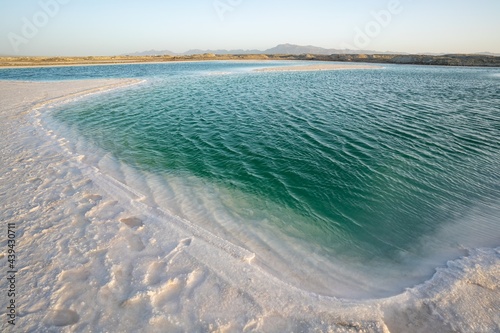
{"x": 94, "y": 256}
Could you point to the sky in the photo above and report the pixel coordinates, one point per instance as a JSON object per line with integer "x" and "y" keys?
{"x": 114, "y": 27}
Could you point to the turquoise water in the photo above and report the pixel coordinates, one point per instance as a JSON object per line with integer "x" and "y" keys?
{"x": 367, "y": 166}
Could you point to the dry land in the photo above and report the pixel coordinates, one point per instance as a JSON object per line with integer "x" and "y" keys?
{"x": 442, "y": 60}
{"x": 97, "y": 255}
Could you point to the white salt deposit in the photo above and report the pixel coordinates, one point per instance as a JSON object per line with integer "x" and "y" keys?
{"x": 97, "y": 252}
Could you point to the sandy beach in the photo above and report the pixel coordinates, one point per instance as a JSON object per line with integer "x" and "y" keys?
{"x": 96, "y": 253}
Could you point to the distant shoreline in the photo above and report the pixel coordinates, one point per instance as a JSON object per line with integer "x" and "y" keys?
{"x": 322, "y": 67}
{"x": 455, "y": 60}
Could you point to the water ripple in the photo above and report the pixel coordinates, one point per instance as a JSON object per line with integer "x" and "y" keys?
{"x": 358, "y": 164}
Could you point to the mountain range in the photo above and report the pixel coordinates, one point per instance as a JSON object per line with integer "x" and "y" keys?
{"x": 280, "y": 49}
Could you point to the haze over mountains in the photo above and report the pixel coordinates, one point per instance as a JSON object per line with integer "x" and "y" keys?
{"x": 281, "y": 49}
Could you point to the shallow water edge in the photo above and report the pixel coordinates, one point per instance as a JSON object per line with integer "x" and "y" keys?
{"x": 80, "y": 228}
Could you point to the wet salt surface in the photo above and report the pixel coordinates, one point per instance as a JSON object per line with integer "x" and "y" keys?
{"x": 96, "y": 254}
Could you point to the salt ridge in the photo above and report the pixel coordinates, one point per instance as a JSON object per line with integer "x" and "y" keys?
{"x": 85, "y": 268}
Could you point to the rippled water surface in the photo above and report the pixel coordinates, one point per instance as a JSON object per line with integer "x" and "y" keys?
{"x": 380, "y": 170}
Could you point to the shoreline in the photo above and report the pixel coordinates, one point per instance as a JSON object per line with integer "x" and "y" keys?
{"x": 452, "y": 60}
{"x": 125, "y": 63}
{"x": 66, "y": 205}
{"x": 322, "y": 67}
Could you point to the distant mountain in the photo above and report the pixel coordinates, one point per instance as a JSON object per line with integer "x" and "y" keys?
{"x": 290, "y": 49}
{"x": 151, "y": 53}
{"x": 488, "y": 54}
{"x": 197, "y": 51}
{"x": 279, "y": 49}
{"x": 298, "y": 49}
{"x": 193, "y": 52}
{"x": 283, "y": 49}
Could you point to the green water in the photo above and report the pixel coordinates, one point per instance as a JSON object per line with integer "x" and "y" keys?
{"x": 356, "y": 163}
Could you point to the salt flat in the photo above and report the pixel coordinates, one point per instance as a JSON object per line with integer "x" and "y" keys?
{"x": 95, "y": 254}
{"x": 316, "y": 67}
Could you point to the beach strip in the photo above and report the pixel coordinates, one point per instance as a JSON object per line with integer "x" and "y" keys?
{"x": 316, "y": 67}
{"x": 94, "y": 254}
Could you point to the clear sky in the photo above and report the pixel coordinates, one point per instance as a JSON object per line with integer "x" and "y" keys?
{"x": 112, "y": 27}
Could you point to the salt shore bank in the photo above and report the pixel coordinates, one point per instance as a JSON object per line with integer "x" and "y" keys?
{"x": 321, "y": 67}
{"x": 94, "y": 254}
